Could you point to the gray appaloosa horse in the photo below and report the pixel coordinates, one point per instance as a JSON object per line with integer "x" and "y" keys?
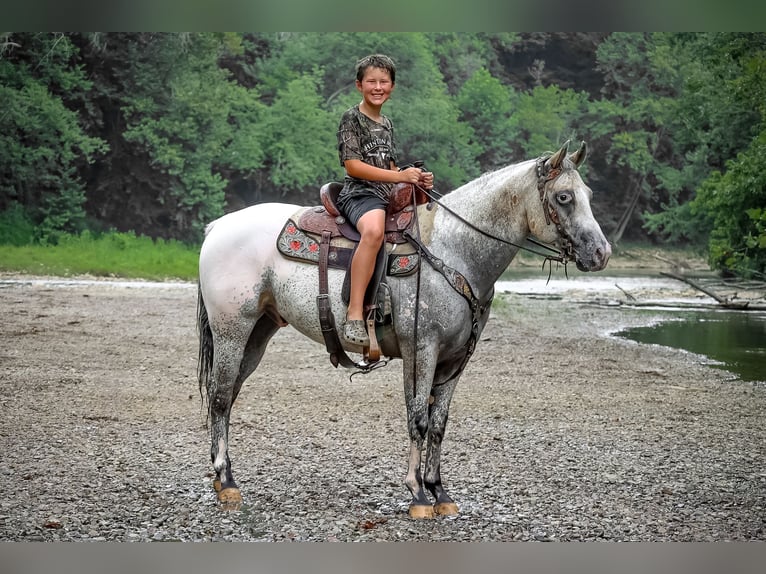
{"x": 248, "y": 290}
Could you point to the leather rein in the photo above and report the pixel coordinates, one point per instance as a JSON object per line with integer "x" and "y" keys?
{"x": 562, "y": 255}
{"x": 456, "y": 279}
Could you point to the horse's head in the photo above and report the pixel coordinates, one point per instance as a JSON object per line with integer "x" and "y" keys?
{"x": 565, "y": 218}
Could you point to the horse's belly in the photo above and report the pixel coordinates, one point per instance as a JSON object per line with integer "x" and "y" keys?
{"x": 295, "y": 287}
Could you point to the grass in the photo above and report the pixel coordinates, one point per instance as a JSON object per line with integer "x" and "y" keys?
{"x": 126, "y": 255}
{"x": 109, "y": 255}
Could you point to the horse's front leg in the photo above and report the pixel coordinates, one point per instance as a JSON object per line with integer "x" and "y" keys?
{"x": 417, "y": 396}
{"x": 438, "y": 415}
{"x": 420, "y": 506}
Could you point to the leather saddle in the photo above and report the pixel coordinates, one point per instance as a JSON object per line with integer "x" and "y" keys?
{"x": 301, "y": 236}
{"x": 327, "y": 217}
{"x": 322, "y": 235}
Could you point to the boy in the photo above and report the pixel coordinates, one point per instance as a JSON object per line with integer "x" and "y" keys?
{"x": 368, "y": 154}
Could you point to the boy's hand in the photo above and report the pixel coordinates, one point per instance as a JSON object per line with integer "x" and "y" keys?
{"x": 410, "y": 175}
{"x": 426, "y": 180}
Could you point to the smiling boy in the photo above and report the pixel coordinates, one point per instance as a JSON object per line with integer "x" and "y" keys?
{"x": 368, "y": 153}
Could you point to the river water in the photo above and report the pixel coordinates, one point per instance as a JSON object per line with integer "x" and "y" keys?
{"x": 734, "y": 340}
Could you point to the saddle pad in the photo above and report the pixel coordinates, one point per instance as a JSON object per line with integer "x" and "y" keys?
{"x": 294, "y": 243}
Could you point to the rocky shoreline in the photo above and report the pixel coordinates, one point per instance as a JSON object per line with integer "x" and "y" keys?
{"x": 558, "y": 431}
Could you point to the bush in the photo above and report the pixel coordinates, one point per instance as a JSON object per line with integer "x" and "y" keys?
{"x": 16, "y": 227}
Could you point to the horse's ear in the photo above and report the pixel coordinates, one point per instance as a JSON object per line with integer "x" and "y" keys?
{"x": 554, "y": 162}
{"x": 578, "y": 157}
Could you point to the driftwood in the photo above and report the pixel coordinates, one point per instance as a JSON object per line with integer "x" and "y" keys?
{"x": 727, "y": 302}
{"x": 674, "y": 263}
{"x": 628, "y": 295}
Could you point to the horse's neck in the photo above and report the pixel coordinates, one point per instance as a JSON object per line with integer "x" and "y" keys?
{"x": 494, "y": 203}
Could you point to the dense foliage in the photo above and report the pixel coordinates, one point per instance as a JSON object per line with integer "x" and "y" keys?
{"x": 157, "y": 134}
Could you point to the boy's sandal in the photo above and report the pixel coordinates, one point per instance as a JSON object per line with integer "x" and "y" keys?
{"x": 355, "y": 332}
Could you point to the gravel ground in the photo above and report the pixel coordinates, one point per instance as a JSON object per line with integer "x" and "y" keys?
{"x": 557, "y": 432}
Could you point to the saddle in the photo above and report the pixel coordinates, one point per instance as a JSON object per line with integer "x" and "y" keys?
{"x": 322, "y": 235}
{"x": 399, "y": 214}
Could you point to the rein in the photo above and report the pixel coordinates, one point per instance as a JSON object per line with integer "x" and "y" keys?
{"x": 562, "y": 255}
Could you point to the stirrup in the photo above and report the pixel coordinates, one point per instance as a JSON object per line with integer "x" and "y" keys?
{"x": 372, "y": 353}
{"x": 354, "y": 332}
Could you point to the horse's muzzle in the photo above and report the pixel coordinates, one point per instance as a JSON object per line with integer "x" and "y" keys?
{"x": 597, "y": 260}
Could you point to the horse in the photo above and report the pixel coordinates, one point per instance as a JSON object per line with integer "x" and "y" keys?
{"x": 247, "y": 291}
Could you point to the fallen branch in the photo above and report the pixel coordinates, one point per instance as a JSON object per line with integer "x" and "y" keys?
{"x": 628, "y": 295}
{"x": 675, "y": 264}
{"x": 724, "y": 301}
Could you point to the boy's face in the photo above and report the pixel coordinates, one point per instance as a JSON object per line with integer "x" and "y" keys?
{"x": 376, "y": 87}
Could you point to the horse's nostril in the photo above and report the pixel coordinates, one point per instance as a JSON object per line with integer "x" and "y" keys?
{"x": 602, "y": 255}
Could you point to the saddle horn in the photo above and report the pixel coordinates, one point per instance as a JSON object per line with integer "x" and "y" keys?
{"x": 578, "y": 157}
{"x": 554, "y": 162}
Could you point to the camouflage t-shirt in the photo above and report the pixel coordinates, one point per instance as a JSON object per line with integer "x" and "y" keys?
{"x": 360, "y": 137}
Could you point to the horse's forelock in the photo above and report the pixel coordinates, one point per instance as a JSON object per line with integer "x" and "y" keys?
{"x": 568, "y": 164}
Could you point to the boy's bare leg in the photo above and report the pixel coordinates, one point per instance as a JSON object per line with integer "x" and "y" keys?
{"x": 371, "y": 226}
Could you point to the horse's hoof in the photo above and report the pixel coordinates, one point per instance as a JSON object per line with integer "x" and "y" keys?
{"x": 230, "y": 499}
{"x": 419, "y": 511}
{"x": 446, "y": 509}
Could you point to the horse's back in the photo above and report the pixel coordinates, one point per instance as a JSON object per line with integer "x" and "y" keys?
{"x": 238, "y": 249}
{"x": 249, "y": 223}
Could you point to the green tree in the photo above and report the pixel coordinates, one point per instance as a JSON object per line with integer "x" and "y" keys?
{"x": 485, "y": 105}
{"x": 299, "y": 138}
{"x": 460, "y": 55}
{"x": 544, "y": 118}
{"x": 708, "y": 127}
{"x": 426, "y": 118}
{"x": 179, "y": 126}
{"x": 641, "y": 89}
{"x": 184, "y": 127}
{"x": 734, "y": 200}
{"x": 42, "y": 143}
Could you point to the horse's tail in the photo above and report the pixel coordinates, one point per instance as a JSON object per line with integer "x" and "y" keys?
{"x": 205, "y": 359}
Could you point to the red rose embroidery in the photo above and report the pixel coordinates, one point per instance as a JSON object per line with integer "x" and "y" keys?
{"x": 291, "y": 229}
{"x": 404, "y": 262}
{"x": 313, "y": 247}
{"x": 295, "y": 245}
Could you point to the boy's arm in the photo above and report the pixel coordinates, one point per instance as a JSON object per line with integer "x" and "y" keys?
{"x": 360, "y": 170}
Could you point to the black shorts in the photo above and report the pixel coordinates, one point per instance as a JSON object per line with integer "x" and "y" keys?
{"x": 355, "y": 207}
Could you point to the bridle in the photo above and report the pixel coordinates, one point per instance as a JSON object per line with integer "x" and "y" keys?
{"x": 551, "y": 215}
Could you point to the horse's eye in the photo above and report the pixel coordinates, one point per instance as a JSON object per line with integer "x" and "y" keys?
{"x": 563, "y": 197}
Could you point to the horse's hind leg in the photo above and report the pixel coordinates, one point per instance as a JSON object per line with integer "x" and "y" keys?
{"x": 264, "y": 330}
{"x": 233, "y": 363}
{"x": 227, "y": 357}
